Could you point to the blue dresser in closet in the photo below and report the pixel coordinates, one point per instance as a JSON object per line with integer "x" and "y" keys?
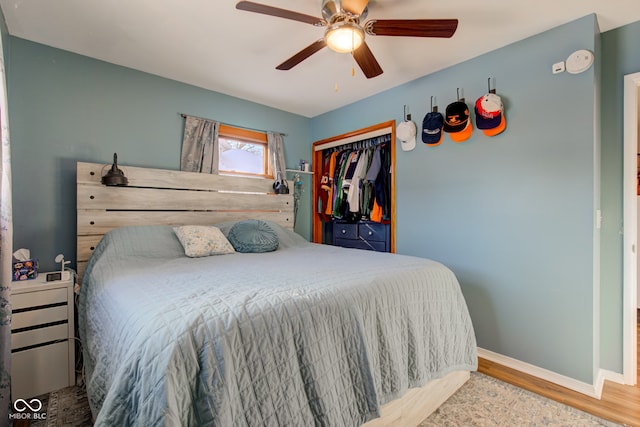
{"x": 368, "y": 235}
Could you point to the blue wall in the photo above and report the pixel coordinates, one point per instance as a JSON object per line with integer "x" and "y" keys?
{"x": 66, "y": 108}
{"x": 620, "y": 56}
{"x": 512, "y": 215}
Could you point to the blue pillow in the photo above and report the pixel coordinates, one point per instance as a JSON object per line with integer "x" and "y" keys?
{"x": 253, "y": 235}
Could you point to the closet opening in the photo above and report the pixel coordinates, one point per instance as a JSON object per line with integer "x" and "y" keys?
{"x": 354, "y": 189}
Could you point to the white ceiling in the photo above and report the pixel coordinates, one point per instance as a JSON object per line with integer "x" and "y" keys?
{"x": 210, "y": 44}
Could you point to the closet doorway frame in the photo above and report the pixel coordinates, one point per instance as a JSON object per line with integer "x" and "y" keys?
{"x": 318, "y": 147}
{"x": 631, "y": 115}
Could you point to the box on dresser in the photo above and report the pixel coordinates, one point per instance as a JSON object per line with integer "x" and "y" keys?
{"x": 25, "y": 270}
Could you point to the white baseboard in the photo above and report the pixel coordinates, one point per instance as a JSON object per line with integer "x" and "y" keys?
{"x": 591, "y": 390}
{"x": 605, "y": 375}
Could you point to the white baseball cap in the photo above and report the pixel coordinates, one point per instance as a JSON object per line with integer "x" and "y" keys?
{"x": 406, "y": 133}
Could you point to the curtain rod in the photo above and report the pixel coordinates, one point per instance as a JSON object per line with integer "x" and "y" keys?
{"x": 184, "y": 116}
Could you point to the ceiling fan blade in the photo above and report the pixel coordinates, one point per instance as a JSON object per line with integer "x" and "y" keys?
{"x": 302, "y": 55}
{"x": 367, "y": 62}
{"x": 280, "y": 13}
{"x": 355, "y": 7}
{"x": 412, "y": 27}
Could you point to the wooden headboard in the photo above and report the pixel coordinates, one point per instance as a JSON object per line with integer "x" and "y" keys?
{"x": 167, "y": 197}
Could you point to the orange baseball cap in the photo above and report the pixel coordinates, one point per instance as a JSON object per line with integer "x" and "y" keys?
{"x": 457, "y": 122}
{"x": 464, "y": 134}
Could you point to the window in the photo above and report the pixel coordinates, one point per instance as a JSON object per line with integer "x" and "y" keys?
{"x": 243, "y": 152}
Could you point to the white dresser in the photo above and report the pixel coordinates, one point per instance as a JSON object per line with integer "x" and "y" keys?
{"x": 42, "y": 331}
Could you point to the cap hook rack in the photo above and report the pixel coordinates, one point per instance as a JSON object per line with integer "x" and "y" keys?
{"x": 458, "y": 93}
{"x": 407, "y": 117}
{"x": 489, "y": 85}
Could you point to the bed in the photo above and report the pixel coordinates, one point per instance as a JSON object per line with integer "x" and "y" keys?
{"x": 307, "y": 334}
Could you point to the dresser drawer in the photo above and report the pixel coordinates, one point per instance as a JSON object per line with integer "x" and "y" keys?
{"x": 40, "y": 370}
{"x": 39, "y": 336}
{"x": 37, "y": 298}
{"x": 377, "y": 232}
{"x": 361, "y": 244}
{"x": 343, "y": 230}
{"x": 39, "y": 316}
{"x": 362, "y": 235}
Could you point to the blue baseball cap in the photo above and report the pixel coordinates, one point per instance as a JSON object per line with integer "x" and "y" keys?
{"x": 432, "y": 125}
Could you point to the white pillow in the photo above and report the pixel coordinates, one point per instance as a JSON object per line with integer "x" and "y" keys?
{"x": 203, "y": 240}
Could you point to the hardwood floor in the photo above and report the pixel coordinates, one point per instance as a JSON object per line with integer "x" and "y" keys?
{"x": 619, "y": 403}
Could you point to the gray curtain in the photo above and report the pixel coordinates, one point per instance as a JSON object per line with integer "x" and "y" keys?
{"x": 200, "y": 145}
{"x": 6, "y": 250}
{"x": 276, "y": 152}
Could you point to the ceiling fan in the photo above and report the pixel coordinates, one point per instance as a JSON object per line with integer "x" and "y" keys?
{"x": 345, "y": 33}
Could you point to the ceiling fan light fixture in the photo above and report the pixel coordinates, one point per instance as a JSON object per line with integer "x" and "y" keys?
{"x": 344, "y": 37}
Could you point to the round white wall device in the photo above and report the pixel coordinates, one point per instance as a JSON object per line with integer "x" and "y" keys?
{"x": 579, "y": 61}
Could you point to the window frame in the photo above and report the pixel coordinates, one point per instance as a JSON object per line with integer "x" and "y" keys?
{"x": 250, "y": 136}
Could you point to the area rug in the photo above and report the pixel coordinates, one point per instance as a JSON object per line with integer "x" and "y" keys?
{"x": 68, "y": 407}
{"x": 482, "y": 402}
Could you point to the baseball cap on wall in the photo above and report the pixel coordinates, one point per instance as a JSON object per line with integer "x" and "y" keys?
{"x": 456, "y": 117}
{"x": 457, "y": 121}
{"x": 432, "y": 125}
{"x": 464, "y": 134}
{"x": 490, "y": 114}
{"x": 406, "y": 133}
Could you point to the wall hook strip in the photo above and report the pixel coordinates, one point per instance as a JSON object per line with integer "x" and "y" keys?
{"x": 407, "y": 117}
{"x": 489, "y": 86}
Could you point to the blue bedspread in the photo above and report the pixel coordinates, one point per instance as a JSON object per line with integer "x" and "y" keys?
{"x": 306, "y": 335}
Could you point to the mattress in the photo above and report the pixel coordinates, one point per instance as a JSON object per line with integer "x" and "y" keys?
{"x": 305, "y": 335}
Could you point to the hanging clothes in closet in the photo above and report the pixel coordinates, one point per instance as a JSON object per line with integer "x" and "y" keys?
{"x": 355, "y": 183}
{"x": 354, "y": 189}
{"x": 354, "y": 194}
